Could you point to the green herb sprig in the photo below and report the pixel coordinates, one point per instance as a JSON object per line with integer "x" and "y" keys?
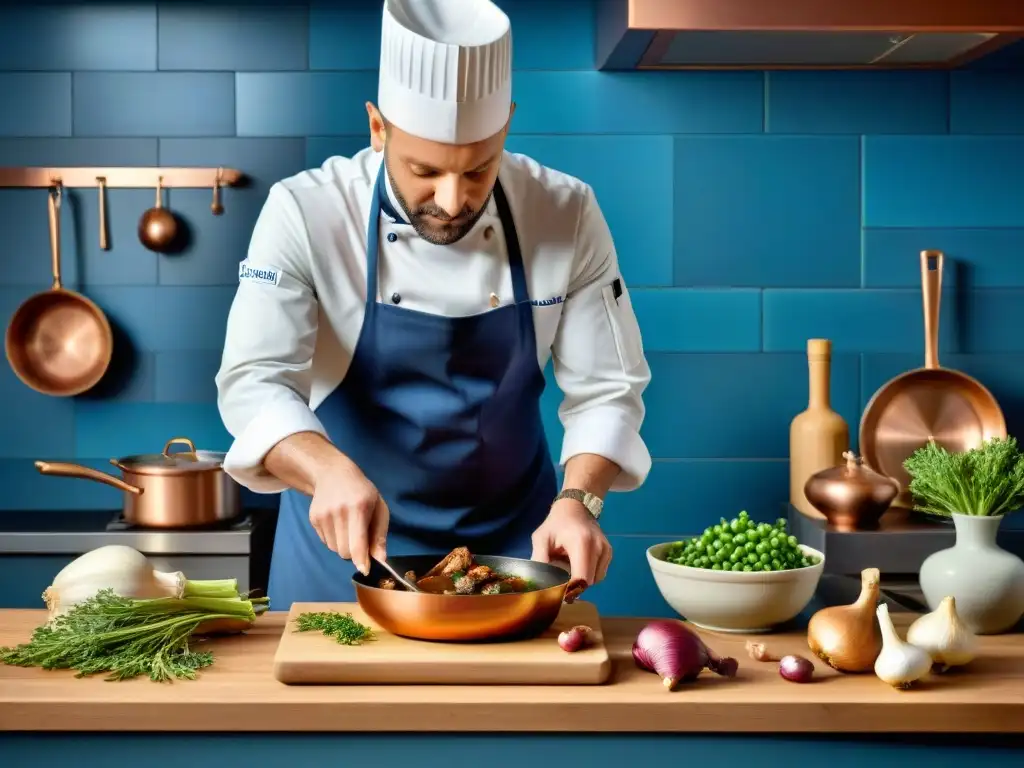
{"x": 128, "y": 638}
{"x": 985, "y": 482}
{"x": 340, "y": 626}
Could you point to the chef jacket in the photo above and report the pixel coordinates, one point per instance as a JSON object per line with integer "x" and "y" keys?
{"x": 298, "y": 311}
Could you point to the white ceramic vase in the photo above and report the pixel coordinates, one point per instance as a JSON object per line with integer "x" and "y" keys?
{"x": 986, "y": 580}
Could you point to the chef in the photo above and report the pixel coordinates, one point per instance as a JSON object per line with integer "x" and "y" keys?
{"x": 383, "y": 363}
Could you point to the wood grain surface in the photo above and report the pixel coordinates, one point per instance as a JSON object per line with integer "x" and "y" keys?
{"x": 310, "y": 658}
{"x": 239, "y": 694}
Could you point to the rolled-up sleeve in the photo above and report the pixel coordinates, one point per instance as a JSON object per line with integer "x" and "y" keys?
{"x": 263, "y": 384}
{"x": 598, "y": 358}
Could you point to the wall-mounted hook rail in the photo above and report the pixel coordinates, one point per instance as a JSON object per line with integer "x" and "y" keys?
{"x": 137, "y": 178}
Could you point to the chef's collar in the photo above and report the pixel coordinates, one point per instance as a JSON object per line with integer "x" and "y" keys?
{"x": 389, "y": 205}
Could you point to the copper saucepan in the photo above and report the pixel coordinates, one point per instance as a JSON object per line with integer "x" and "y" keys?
{"x": 954, "y": 408}
{"x": 166, "y": 490}
{"x": 59, "y": 342}
{"x": 427, "y": 616}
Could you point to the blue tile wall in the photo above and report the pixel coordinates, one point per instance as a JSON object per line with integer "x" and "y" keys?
{"x": 751, "y": 211}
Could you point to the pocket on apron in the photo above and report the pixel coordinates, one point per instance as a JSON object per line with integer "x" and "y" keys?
{"x": 623, "y": 325}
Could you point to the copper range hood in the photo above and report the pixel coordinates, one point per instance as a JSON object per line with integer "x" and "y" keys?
{"x": 803, "y": 34}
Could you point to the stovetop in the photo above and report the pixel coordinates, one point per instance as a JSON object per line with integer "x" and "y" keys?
{"x": 72, "y": 531}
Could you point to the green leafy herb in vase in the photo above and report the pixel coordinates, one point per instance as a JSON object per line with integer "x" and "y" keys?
{"x": 987, "y": 481}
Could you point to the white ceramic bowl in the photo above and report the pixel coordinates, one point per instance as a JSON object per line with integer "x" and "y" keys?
{"x": 734, "y": 601}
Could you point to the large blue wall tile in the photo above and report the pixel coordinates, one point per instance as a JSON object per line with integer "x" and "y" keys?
{"x": 632, "y": 179}
{"x": 78, "y": 36}
{"x": 303, "y": 104}
{"x": 698, "y": 320}
{"x": 36, "y": 104}
{"x": 132, "y": 309}
{"x": 857, "y": 102}
{"x": 987, "y": 102}
{"x": 344, "y": 35}
{"x": 681, "y": 498}
{"x": 192, "y": 317}
{"x": 120, "y": 429}
{"x": 187, "y": 376}
{"x": 943, "y": 181}
{"x": 854, "y": 320}
{"x": 629, "y": 589}
{"x": 319, "y": 148}
{"x": 78, "y": 152}
{"x": 347, "y": 36}
{"x": 154, "y": 104}
{"x": 234, "y": 37}
{"x": 707, "y": 405}
{"x": 767, "y": 211}
{"x": 1001, "y": 373}
{"x": 637, "y": 102}
{"x": 975, "y": 258}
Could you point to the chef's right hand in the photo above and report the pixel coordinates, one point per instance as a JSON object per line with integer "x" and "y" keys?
{"x": 349, "y": 515}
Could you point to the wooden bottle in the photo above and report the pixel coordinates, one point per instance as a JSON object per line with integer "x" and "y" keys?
{"x": 819, "y": 436}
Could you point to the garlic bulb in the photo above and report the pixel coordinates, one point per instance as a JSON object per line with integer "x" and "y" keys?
{"x": 899, "y": 664}
{"x": 129, "y": 574}
{"x": 944, "y": 636}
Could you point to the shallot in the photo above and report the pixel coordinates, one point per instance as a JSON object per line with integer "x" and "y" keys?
{"x": 796, "y": 669}
{"x": 572, "y": 640}
{"x": 676, "y": 654}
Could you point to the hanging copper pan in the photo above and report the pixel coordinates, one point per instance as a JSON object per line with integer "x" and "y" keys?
{"x": 59, "y": 342}
{"x": 954, "y": 408}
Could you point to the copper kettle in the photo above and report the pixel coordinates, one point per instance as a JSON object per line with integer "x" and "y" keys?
{"x": 852, "y": 497}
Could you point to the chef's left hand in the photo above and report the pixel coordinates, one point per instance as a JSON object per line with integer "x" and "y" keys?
{"x": 571, "y": 533}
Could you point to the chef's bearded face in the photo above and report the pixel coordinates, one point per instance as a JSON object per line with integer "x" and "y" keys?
{"x": 442, "y": 188}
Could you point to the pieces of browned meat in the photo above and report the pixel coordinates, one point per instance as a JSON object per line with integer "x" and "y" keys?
{"x": 458, "y": 574}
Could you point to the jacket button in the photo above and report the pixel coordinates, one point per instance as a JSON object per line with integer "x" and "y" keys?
{"x": 396, "y": 298}
{"x": 488, "y": 233}
{"x": 391, "y": 238}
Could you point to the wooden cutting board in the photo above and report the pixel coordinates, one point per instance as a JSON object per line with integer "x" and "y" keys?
{"x": 312, "y": 658}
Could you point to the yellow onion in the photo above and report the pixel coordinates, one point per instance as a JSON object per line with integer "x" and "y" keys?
{"x": 847, "y": 637}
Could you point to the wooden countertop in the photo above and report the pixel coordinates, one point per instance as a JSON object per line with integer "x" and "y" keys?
{"x": 240, "y": 694}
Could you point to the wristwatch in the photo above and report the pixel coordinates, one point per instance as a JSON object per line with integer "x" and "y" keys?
{"x": 594, "y": 504}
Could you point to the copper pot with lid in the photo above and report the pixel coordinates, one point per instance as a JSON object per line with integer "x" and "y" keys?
{"x": 852, "y": 497}
{"x": 181, "y": 489}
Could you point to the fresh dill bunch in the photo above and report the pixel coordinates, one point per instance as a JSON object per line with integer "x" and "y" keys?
{"x": 128, "y": 638}
{"x": 987, "y": 481}
{"x": 340, "y": 626}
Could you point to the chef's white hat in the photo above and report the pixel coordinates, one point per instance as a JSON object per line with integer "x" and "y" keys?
{"x": 446, "y": 69}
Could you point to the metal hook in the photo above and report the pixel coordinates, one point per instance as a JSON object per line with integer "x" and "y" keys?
{"x": 216, "y": 207}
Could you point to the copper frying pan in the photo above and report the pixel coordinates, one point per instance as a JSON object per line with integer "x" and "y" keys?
{"x": 427, "y": 616}
{"x": 954, "y": 408}
{"x": 59, "y": 342}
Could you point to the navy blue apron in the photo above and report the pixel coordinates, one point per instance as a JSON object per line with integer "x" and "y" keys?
{"x": 442, "y": 414}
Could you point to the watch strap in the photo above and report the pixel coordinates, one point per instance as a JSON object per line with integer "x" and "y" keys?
{"x": 594, "y": 504}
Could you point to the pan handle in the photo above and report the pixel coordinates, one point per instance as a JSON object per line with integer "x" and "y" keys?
{"x": 931, "y": 283}
{"x": 64, "y": 469}
{"x": 54, "y": 205}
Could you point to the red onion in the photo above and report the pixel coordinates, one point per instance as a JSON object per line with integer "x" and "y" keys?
{"x": 796, "y": 669}
{"x": 671, "y": 650}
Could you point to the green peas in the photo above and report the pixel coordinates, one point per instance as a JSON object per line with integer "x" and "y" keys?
{"x": 741, "y": 544}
